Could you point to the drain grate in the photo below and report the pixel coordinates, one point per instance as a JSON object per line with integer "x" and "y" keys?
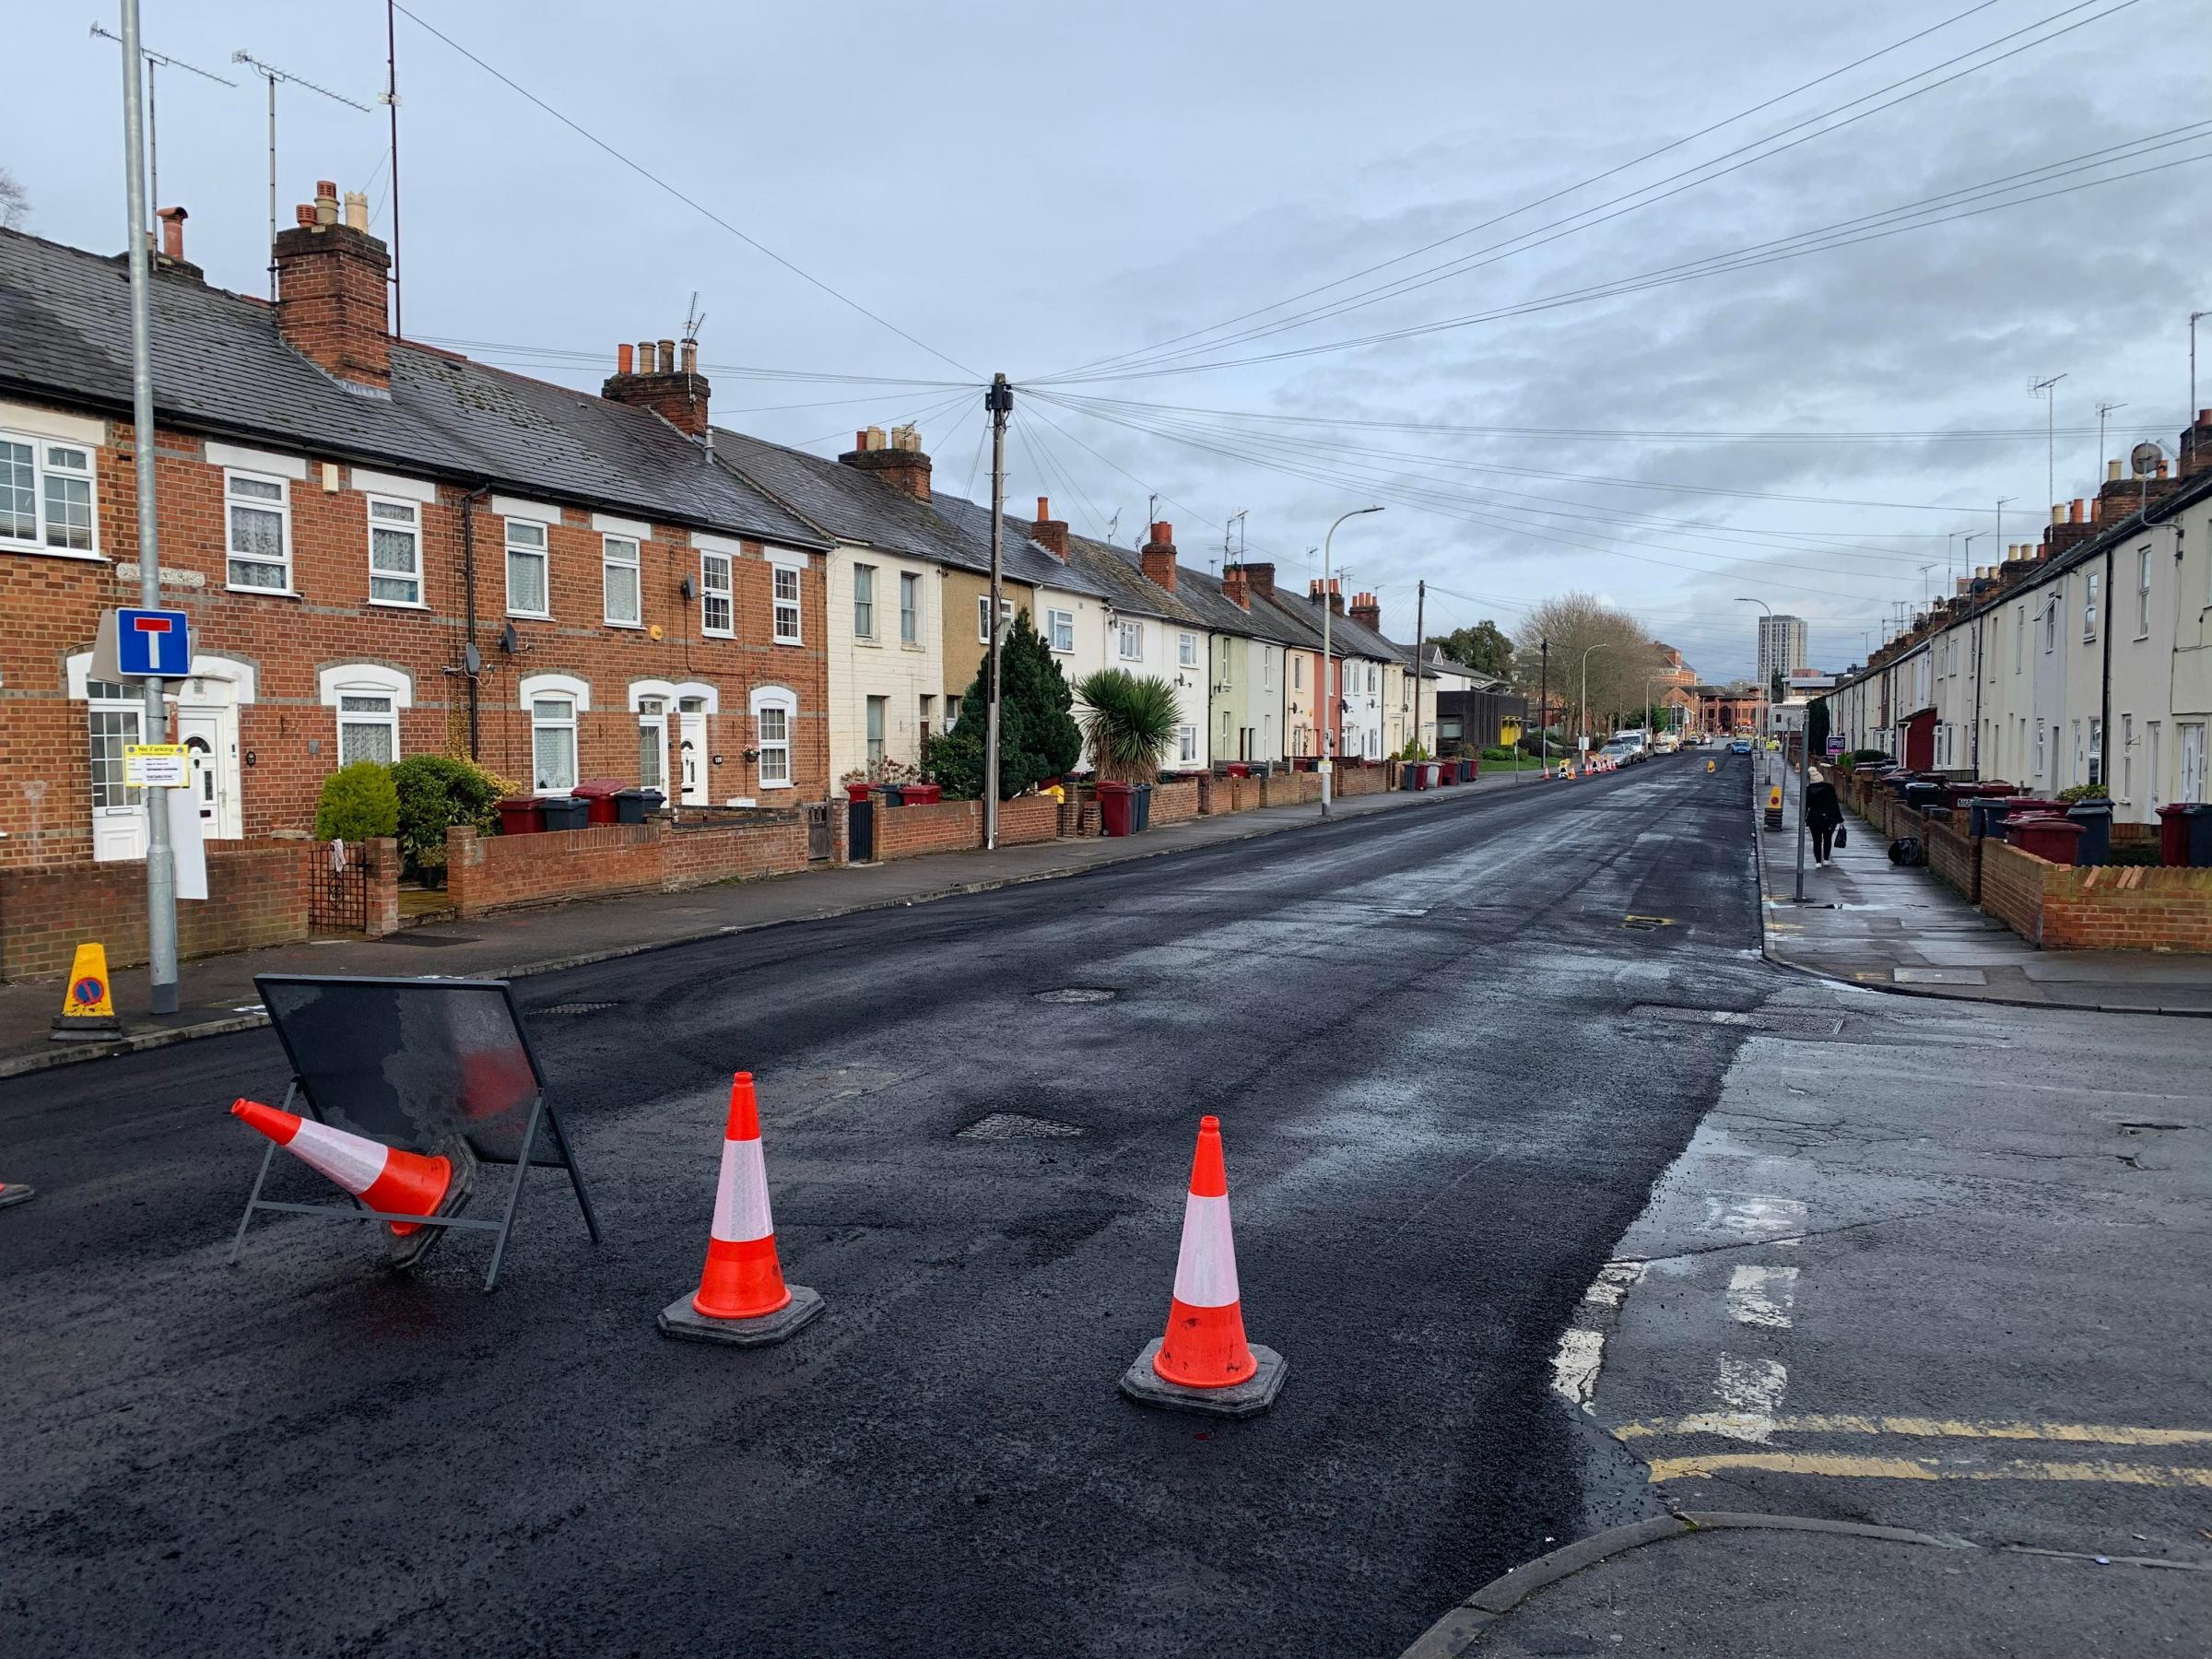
{"x": 1013, "y": 1126}
{"x": 1079, "y": 993}
{"x": 598, "y": 1007}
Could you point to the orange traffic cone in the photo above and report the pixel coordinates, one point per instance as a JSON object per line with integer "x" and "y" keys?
{"x": 1204, "y": 1363}
{"x": 389, "y": 1179}
{"x": 742, "y": 1297}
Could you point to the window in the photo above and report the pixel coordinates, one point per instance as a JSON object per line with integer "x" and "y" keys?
{"x": 1133, "y": 640}
{"x": 653, "y": 743}
{"x": 1297, "y": 674}
{"x": 619, "y": 581}
{"x": 716, "y": 606}
{"x": 1060, "y": 630}
{"x": 2042, "y": 747}
{"x": 2051, "y": 623}
{"x": 2096, "y": 751}
{"x": 1186, "y": 741}
{"x": 2142, "y": 592}
{"x": 863, "y": 601}
{"x": 875, "y": 710}
{"x": 775, "y": 713}
{"x": 46, "y": 494}
{"x": 983, "y": 616}
{"x": 787, "y": 606}
{"x": 928, "y": 710}
{"x": 2088, "y": 609}
{"x": 2019, "y": 636}
{"x": 365, "y": 700}
{"x": 527, "y": 569}
{"x": 261, "y": 533}
{"x": 1266, "y": 669}
{"x": 395, "y": 552}
{"x": 553, "y": 743}
{"x": 2127, "y": 757}
{"x": 909, "y": 609}
{"x": 115, "y": 721}
{"x": 1187, "y": 650}
{"x": 952, "y": 711}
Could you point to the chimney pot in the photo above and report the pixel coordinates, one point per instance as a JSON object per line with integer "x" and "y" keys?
{"x": 644, "y": 357}
{"x": 900, "y": 462}
{"x": 173, "y": 231}
{"x": 2162, "y": 472}
{"x": 691, "y": 357}
{"x": 2112, "y": 471}
{"x": 304, "y": 214}
{"x": 2081, "y": 515}
{"x": 668, "y": 356}
{"x": 356, "y": 211}
{"x": 2058, "y": 512}
{"x": 874, "y": 438}
{"x": 1044, "y": 509}
{"x": 624, "y": 358}
{"x": 327, "y": 202}
{"x": 334, "y": 293}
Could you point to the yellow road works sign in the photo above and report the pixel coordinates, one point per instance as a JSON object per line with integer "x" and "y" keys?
{"x": 88, "y": 1004}
{"x": 1709, "y": 765}
{"x": 1773, "y": 797}
{"x": 156, "y": 765}
{"x": 1509, "y": 733}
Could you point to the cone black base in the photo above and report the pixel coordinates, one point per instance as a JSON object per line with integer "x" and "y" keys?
{"x": 14, "y": 1194}
{"x": 681, "y": 1320}
{"x": 406, "y": 1251}
{"x": 87, "y": 1028}
{"x": 1244, "y": 1399}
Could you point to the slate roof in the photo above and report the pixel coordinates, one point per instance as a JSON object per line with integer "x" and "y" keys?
{"x": 1024, "y": 560}
{"x": 221, "y": 368}
{"x": 1125, "y": 585}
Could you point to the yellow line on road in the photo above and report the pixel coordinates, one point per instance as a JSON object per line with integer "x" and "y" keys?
{"x": 1850, "y": 1466}
{"x": 1919, "y": 1428}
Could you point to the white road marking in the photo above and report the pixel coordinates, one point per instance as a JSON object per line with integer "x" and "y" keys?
{"x": 1752, "y": 1390}
{"x": 1613, "y": 1283}
{"x": 1575, "y": 1364}
{"x": 1761, "y": 1296}
{"x": 1755, "y": 1215}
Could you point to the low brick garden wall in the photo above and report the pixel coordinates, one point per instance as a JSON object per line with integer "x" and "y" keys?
{"x": 2109, "y": 907}
{"x": 957, "y": 825}
{"x": 485, "y": 873}
{"x": 1954, "y": 855}
{"x": 257, "y": 895}
{"x": 1176, "y": 802}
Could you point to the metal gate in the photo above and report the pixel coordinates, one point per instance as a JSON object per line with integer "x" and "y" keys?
{"x": 337, "y": 898}
{"x": 821, "y": 836}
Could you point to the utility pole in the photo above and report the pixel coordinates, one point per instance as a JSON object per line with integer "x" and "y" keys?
{"x": 1601, "y": 645}
{"x": 1327, "y": 687}
{"x": 160, "y": 863}
{"x": 1420, "y": 649}
{"x": 999, "y": 402}
{"x": 1543, "y": 704}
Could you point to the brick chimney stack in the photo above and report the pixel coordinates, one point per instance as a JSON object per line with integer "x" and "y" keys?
{"x": 332, "y": 280}
{"x": 1368, "y": 612}
{"x": 1260, "y": 579}
{"x": 1234, "y": 587}
{"x": 1157, "y": 556}
{"x": 2196, "y": 446}
{"x": 655, "y": 377}
{"x": 898, "y": 461}
{"x": 1049, "y": 533}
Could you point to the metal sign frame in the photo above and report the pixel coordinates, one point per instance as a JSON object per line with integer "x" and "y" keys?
{"x": 558, "y": 1156}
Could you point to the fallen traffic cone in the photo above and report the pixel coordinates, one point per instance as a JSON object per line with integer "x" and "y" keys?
{"x": 1204, "y": 1363}
{"x": 389, "y": 1179}
{"x": 14, "y": 1193}
{"x": 742, "y": 1297}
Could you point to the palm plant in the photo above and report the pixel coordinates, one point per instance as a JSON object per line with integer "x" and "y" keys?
{"x": 1128, "y": 722}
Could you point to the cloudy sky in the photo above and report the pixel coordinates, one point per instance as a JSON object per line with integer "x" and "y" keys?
{"x": 1086, "y": 198}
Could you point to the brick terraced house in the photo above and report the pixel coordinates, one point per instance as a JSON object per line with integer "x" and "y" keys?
{"x": 384, "y": 550}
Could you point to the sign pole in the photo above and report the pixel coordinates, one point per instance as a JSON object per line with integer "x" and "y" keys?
{"x": 161, "y": 868}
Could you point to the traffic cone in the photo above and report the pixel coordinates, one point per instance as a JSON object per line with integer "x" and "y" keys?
{"x": 390, "y": 1179}
{"x": 1204, "y": 1363}
{"x": 742, "y": 1297}
{"x": 14, "y": 1193}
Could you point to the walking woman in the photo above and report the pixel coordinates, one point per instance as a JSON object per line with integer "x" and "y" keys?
{"x": 1823, "y": 813}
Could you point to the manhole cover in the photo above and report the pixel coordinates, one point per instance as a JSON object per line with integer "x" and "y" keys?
{"x": 599, "y": 1008}
{"x": 1013, "y": 1125}
{"x": 1078, "y": 994}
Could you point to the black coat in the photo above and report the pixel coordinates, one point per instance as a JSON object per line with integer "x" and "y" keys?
{"x": 1823, "y": 809}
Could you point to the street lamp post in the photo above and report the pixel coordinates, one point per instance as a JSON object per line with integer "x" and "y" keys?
{"x": 1328, "y": 687}
{"x": 1804, "y": 757}
{"x": 1601, "y": 645}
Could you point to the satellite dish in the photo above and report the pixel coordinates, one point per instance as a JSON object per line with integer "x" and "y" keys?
{"x": 509, "y": 642}
{"x": 2144, "y": 458}
{"x": 471, "y": 658}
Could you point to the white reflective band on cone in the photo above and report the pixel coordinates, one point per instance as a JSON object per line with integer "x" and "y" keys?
{"x": 741, "y": 1197}
{"x": 1206, "y": 1272}
{"x": 350, "y": 1159}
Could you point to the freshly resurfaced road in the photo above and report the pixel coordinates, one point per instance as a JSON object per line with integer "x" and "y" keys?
{"x": 1444, "y": 1099}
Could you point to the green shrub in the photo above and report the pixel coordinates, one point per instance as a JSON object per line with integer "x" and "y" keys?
{"x": 1036, "y": 736}
{"x": 2085, "y": 792}
{"x": 1497, "y": 756}
{"x": 1867, "y": 754}
{"x": 357, "y": 802}
{"x": 2135, "y": 852}
{"x": 1129, "y": 723}
{"x": 1413, "y": 751}
{"x": 437, "y": 791}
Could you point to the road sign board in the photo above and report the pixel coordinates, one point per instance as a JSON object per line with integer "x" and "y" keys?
{"x": 1835, "y": 746}
{"x": 153, "y": 642}
{"x": 156, "y": 765}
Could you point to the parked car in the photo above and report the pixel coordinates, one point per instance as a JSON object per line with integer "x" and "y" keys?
{"x": 1742, "y": 746}
{"x": 1620, "y": 754}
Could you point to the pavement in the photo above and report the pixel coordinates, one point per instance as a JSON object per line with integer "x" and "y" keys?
{"x": 216, "y": 994}
{"x": 1869, "y": 922}
{"x": 1417, "y": 1025}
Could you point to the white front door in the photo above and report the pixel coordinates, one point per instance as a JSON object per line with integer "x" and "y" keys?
{"x": 118, "y": 824}
{"x": 2192, "y": 760}
{"x": 692, "y": 727}
{"x": 210, "y": 734}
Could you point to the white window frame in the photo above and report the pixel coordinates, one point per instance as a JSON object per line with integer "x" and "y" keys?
{"x": 543, "y": 553}
{"x": 790, "y": 625}
{"x": 577, "y": 694}
{"x": 2043, "y": 750}
{"x": 983, "y": 616}
{"x": 2019, "y": 636}
{"x": 341, "y": 680}
{"x": 410, "y": 526}
{"x": 2127, "y": 757}
{"x": 1129, "y": 639}
{"x": 1060, "y": 630}
{"x": 43, "y": 470}
{"x": 2096, "y": 774}
{"x": 281, "y": 506}
{"x": 712, "y": 592}
{"x": 766, "y": 700}
{"x": 910, "y": 607}
{"x": 1186, "y": 650}
{"x": 611, "y": 561}
{"x": 2143, "y": 591}
{"x": 1186, "y": 739}
{"x": 2088, "y": 609}
{"x": 2050, "y": 624}
{"x": 875, "y": 731}
{"x": 863, "y": 601}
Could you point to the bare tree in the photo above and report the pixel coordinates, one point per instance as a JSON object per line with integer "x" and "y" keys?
{"x": 15, "y": 201}
{"x": 1576, "y": 626}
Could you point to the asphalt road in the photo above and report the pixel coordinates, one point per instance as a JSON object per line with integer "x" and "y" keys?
{"x": 1442, "y": 1106}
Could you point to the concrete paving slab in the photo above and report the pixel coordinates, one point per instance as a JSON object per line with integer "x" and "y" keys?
{"x": 1939, "y": 976}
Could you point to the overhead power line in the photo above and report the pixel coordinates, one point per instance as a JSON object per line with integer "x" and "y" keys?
{"x": 696, "y": 205}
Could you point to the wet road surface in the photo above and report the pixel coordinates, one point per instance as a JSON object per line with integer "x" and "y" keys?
{"x": 1427, "y": 1036}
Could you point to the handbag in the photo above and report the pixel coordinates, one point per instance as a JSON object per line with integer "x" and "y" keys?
{"x": 1842, "y": 836}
